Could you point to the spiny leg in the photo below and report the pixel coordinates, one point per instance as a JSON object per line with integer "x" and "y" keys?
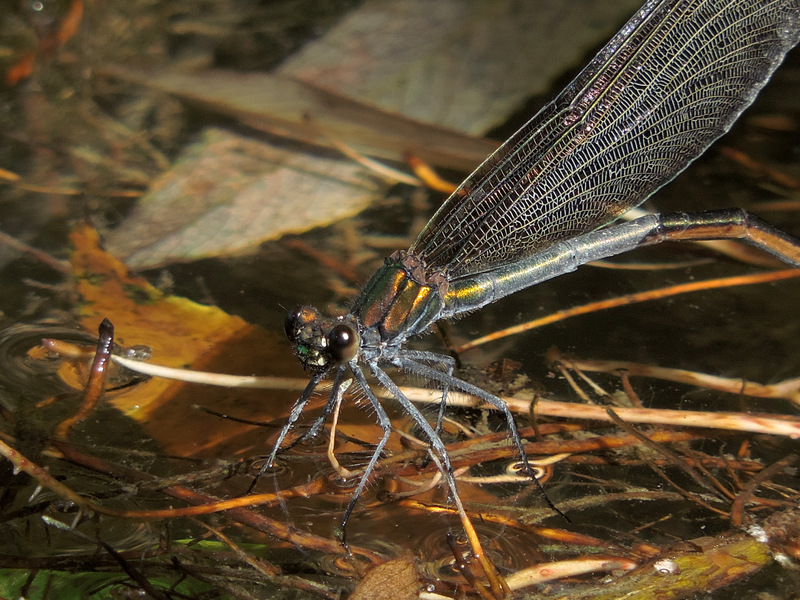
{"x": 297, "y": 410}
{"x": 329, "y": 405}
{"x": 386, "y": 425}
{"x": 441, "y": 458}
{"x": 449, "y": 364}
{"x": 468, "y": 388}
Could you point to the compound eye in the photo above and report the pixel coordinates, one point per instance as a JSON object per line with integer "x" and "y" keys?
{"x": 298, "y": 318}
{"x": 343, "y": 342}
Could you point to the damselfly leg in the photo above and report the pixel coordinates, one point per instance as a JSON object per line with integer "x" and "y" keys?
{"x": 448, "y": 364}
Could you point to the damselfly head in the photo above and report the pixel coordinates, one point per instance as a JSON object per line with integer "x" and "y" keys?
{"x": 321, "y": 342}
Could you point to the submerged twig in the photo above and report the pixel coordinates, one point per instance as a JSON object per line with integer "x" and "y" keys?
{"x": 40, "y": 474}
{"x": 97, "y": 379}
{"x": 756, "y": 423}
{"x": 789, "y": 389}
{"x": 15, "y": 244}
{"x": 737, "y": 509}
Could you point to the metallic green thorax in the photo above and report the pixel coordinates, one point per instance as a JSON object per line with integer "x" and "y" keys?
{"x": 402, "y": 298}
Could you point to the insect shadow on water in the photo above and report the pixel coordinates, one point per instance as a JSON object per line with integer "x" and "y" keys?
{"x": 673, "y": 80}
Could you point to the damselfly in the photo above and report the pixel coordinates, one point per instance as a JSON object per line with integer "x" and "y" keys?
{"x": 673, "y": 80}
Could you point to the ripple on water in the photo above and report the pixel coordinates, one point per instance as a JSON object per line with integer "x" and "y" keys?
{"x": 341, "y": 564}
{"x": 508, "y": 549}
{"x": 34, "y": 373}
{"x": 50, "y": 526}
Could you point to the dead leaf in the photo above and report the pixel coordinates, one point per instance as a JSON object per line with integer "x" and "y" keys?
{"x": 229, "y": 193}
{"x": 444, "y": 63}
{"x": 463, "y": 65}
{"x": 393, "y": 580}
{"x": 181, "y": 334}
{"x": 300, "y": 110}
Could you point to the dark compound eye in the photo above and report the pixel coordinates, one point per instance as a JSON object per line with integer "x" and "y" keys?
{"x": 296, "y": 319}
{"x": 343, "y": 342}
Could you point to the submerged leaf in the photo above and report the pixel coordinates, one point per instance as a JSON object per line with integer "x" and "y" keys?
{"x": 230, "y": 193}
{"x": 300, "y": 110}
{"x": 182, "y": 334}
{"x": 704, "y": 565}
{"x": 393, "y": 580}
{"x": 452, "y": 63}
